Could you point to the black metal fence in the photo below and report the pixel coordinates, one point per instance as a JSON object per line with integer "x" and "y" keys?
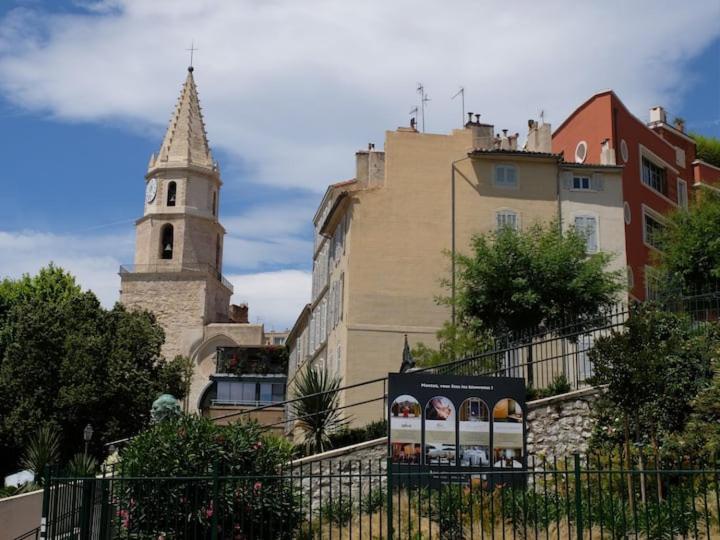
{"x": 550, "y": 359}
{"x": 580, "y": 497}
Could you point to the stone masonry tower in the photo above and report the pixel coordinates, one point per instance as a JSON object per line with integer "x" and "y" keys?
{"x": 179, "y": 240}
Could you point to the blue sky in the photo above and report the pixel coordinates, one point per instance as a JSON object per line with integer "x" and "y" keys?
{"x": 289, "y": 93}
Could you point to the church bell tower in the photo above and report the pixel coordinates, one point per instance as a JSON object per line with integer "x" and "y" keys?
{"x": 177, "y": 272}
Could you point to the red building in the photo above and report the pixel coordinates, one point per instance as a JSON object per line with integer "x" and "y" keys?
{"x": 659, "y": 169}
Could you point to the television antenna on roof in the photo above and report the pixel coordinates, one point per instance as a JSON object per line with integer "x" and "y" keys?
{"x": 461, "y": 93}
{"x": 423, "y": 99}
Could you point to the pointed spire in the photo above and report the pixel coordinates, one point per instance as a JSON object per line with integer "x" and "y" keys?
{"x": 185, "y": 141}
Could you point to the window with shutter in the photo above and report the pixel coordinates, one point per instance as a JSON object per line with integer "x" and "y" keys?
{"x": 587, "y": 227}
{"x": 505, "y": 176}
{"x": 682, "y": 194}
{"x": 506, "y": 218}
{"x": 652, "y": 230}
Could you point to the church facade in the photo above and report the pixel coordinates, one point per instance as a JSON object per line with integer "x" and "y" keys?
{"x": 177, "y": 272}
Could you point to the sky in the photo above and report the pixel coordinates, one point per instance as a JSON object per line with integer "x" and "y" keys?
{"x": 290, "y": 90}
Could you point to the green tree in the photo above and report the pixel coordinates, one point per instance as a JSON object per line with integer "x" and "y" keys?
{"x": 516, "y": 281}
{"x": 513, "y": 282}
{"x": 653, "y": 370}
{"x": 691, "y": 246}
{"x": 708, "y": 148}
{"x": 65, "y": 362}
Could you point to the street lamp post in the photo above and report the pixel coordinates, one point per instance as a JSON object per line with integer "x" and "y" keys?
{"x": 87, "y": 435}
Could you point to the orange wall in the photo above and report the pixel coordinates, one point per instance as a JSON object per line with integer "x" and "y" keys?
{"x": 605, "y": 117}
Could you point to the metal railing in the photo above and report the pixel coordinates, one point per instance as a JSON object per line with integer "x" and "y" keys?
{"x": 592, "y": 496}
{"x": 542, "y": 356}
{"x": 175, "y": 266}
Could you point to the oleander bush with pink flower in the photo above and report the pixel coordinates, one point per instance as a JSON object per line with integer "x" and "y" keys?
{"x": 186, "y": 476}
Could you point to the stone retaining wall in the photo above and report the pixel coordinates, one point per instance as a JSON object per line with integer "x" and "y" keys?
{"x": 556, "y": 427}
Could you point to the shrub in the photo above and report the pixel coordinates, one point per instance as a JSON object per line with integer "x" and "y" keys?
{"x": 373, "y": 501}
{"x": 82, "y": 465}
{"x": 338, "y": 511}
{"x": 254, "y": 499}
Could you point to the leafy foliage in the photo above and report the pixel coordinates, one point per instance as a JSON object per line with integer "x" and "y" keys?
{"x": 65, "y": 361}
{"x": 454, "y": 341}
{"x": 82, "y": 465}
{"x": 337, "y": 510}
{"x": 691, "y": 246}
{"x": 196, "y": 446}
{"x": 257, "y": 360}
{"x": 317, "y": 412}
{"x": 701, "y": 436}
{"x": 708, "y": 148}
{"x": 43, "y": 450}
{"x": 653, "y": 370}
{"x": 516, "y": 281}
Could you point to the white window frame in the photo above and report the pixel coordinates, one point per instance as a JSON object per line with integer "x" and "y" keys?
{"x": 659, "y": 162}
{"x": 650, "y": 275}
{"x": 582, "y": 159}
{"x": 682, "y": 189}
{"x": 506, "y": 212}
{"x": 596, "y": 218}
{"x": 580, "y": 187}
{"x": 624, "y": 153}
{"x": 504, "y": 184}
{"x": 647, "y": 211}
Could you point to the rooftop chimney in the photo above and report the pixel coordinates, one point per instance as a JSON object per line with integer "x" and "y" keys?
{"x": 469, "y": 120}
{"x": 539, "y": 137}
{"x": 239, "y": 313}
{"x": 679, "y": 124}
{"x": 607, "y": 155}
{"x": 657, "y": 114}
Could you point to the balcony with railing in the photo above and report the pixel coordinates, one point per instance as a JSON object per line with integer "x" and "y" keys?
{"x": 173, "y": 267}
{"x": 257, "y": 360}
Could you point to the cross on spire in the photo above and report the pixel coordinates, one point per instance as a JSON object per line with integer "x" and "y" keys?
{"x": 192, "y": 50}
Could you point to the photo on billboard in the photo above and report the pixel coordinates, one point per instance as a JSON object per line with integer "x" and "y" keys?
{"x": 508, "y": 434}
{"x": 474, "y": 450}
{"x": 440, "y": 431}
{"x": 405, "y": 430}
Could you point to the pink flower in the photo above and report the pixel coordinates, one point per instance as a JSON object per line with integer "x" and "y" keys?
{"x": 257, "y": 486}
{"x": 124, "y": 518}
{"x": 209, "y": 511}
{"x": 257, "y": 445}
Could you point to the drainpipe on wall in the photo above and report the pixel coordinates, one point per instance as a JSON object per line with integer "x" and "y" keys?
{"x": 559, "y": 192}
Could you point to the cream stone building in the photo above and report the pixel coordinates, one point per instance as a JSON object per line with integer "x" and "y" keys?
{"x": 382, "y": 238}
{"x": 177, "y": 273}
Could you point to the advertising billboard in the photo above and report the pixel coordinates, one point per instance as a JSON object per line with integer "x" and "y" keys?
{"x": 460, "y": 422}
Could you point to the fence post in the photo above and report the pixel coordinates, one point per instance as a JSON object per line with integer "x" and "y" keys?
{"x": 104, "y": 502}
{"x": 215, "y": 503}
{"x": 578, "y": 499}
{"x": 389, "y": 497}
{"x": 46, "y": 502}
{"x": 86, "y": 502}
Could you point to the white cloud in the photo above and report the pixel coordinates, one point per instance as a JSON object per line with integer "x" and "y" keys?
{"x": 269, "y": 235}
{"x": 274, "y": 298}
{"x": 291, "y": 89}
{"x": 93, "y": 260}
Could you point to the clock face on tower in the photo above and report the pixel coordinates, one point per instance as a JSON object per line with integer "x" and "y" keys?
{"x": 151, "y": 190}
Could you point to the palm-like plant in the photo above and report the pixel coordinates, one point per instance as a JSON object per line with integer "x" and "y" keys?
{"x": 317, "y": 412}
{"x": 43, "y": 449}
{"x": 82, "y": 465}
